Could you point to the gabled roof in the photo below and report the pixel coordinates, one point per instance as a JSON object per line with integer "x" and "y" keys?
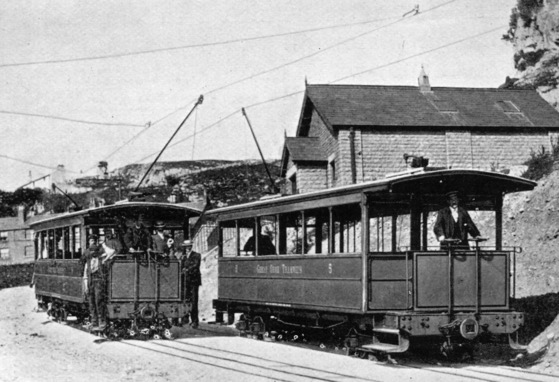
{"x": 365, "y": 105}
{"x": 305, "y": 149}
{"x": 301, "y": 149}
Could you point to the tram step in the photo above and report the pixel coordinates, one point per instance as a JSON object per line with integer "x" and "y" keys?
{"x": 387, "y": 331}
{"x": 385, "y": 348}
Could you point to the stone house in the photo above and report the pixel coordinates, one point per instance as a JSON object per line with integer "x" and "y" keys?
{"x": 16, "y": 240}
{"x": 357, "y": 133}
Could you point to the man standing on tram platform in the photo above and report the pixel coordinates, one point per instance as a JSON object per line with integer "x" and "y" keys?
{"x": 193, "y": 279}
{"x": 95, "y": 284}
{"x": 137, "y": 237}
{"x": 454, "y": 222}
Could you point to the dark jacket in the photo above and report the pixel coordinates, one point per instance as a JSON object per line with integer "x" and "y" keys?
{"x": 191, "y": 268}
{"x": 445, "y": 225}
{"x": 138, "y": 238}
{"x": 158, "y": 244}
{"x": 265, "y": 245}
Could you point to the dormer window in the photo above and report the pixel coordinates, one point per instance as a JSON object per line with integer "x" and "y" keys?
{"x": 508, "y": 107}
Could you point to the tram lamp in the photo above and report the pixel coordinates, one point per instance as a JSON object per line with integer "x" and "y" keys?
{"x": 416, "y": 161}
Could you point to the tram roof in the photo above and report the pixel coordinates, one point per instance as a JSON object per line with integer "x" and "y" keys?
{"x": 126, "y": 208}
{"x": 400, "y": 186}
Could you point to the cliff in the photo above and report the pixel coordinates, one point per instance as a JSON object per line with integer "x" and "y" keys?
{"x": 534, "y": 33}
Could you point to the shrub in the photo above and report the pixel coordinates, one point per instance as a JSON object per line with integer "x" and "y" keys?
{"x": 540, "y": 163}
{"x": 522, "y": 59}
{"x": 527, "y": 9}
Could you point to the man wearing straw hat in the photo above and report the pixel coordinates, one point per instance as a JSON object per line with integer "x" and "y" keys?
{"x": 193, "y": 278}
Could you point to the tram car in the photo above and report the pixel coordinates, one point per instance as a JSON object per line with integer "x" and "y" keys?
{"x": 145, "y": 290}
{"x": 362, "y": 262}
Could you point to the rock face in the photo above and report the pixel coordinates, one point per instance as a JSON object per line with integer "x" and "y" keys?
{"x": 534, "y": 33}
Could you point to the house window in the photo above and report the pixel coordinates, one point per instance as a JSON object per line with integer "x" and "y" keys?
{"x": 293, "y": 181}
{"x": 4, "y": 254}
{"x": 333, "y": 173}
{"x": 3, "y": 235}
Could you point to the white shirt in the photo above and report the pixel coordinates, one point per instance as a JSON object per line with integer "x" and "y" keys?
{"x": 454, "y": 212}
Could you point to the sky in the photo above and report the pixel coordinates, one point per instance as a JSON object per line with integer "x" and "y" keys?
{"x": 83, "y": 82}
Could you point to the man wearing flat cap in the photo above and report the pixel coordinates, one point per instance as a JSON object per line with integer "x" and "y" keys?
{"x": 193, "y": 278}
{"x": 94, "y": 281}
{"x": 159, "y": 240}
{"x": 454, "y": 222}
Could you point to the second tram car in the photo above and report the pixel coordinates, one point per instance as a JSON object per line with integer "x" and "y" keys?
{"x": 361, "y": 260}
{"x": 145, "y": 290}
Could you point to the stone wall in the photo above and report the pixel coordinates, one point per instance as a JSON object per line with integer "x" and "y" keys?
{"x": 311, "y": 178}
{"x": 15, "y": 275}
{"x": 380, "y": 151}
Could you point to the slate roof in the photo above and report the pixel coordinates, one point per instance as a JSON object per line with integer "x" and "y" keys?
{"x": 305, "y": 149}
{"x": 365, "y": 105}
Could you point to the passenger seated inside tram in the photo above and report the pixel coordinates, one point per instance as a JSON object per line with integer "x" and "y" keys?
{"x": 265, "y": 245}
{"x": 454, "y": 222}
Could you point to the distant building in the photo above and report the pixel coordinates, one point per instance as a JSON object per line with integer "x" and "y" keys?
{"x": 356, "y": 133}
{"x": 16, "y": 240}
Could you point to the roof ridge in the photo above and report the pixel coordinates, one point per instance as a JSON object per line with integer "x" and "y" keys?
{"x": 457, "y": 88}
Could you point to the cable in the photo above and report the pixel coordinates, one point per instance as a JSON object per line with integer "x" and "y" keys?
{"x": 339, "y": 79}
{"x": 289, "y": 63}
{"x": 182, "y": 47}
{"x": 148, "y": 126}
{"x": 420, "y": 54}
{"x": 190, "y": 136}
{"x": 68, "y": 119}
{"x": 33, "y": 164}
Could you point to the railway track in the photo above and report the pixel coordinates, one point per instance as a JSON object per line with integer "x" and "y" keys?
{"x": 274, "y": 361}
{"x": 222, "y": 348}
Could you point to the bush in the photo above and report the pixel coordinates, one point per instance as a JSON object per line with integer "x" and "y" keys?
{"x": 525, "y": 9}
{"x": 522, "y": 59}
{"x": 540, "y": 163}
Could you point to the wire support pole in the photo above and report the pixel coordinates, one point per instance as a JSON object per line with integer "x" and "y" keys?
{"x": 272, "y": 184}
{"x": 199, "y": 102}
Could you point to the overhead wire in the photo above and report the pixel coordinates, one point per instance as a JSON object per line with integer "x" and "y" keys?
{"x": 331, "y": 82}
{"x": 32, "y": 163}
{"x": 69, "y": 119}
{"x": 190, "y": 46}
{"x": 400, "y": 19}
{"x": 163, "y": 50}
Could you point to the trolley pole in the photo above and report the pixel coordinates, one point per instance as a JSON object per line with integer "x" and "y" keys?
{"x": 272, "y": 184}
{"x": 199, "y": 102}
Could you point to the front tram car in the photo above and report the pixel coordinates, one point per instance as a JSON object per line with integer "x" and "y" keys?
{"x": 145, "y": 289}
{"x": 363, "y": 261}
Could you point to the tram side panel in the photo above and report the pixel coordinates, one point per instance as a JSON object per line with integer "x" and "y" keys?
{"x": 433, "y": 281}
{"x": 390, "y": 282}
{"x": 134, "y": 286}
{"x": 328, "y": 283}
{"x": 60, "y": 279}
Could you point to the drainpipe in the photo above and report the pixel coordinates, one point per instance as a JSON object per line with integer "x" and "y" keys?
{"x": 352, "y": 154}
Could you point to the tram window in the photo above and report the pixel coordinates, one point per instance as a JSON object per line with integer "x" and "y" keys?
{"x": 389, "y": 233}
{"x": 347, "y": 229}
{"x": 316, "y": 231}
{"x": 229, "y": 238}
{"x": 268, "y": 235}
{"x": 294, "y": 234}
{"x": 58, "y": 244}
{"x": 50, "y": 244}
{"x": 76, "y": 236}
{"x": 66, "y": 243}
{"x": 246, "y": 232}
